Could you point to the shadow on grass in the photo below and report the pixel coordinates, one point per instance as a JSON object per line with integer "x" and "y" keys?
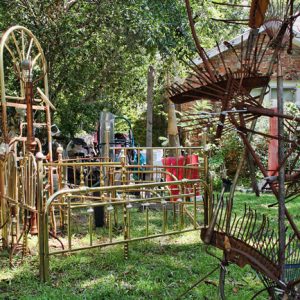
{"x": 153, "y": 271}
{"x": 156, "y": 269}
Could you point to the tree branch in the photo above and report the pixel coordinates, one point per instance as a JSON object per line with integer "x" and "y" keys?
{"x": 69, "y": 4}
{"x": 197, "y": 42}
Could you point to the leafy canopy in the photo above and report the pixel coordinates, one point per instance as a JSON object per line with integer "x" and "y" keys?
{"x": 98, "y": 52}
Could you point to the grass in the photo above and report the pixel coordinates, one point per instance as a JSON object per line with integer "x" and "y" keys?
{"x": 156, "y": 269}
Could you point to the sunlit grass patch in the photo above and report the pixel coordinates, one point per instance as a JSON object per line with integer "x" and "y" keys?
{"x": 161, "y": 268}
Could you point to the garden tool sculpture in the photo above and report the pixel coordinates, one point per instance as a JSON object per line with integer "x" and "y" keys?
{"x": 229, "y": 86}
{"x": 24, "y": 96}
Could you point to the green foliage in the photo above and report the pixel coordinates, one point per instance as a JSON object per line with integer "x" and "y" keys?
{"x": 190, "y": 119}
{"x": 98, "y": 52}
{"x": 225, "y": 155}
{"x": 225, "y": 152}
{"x": 291, "y": 109}
{"x": 206, "y": 13}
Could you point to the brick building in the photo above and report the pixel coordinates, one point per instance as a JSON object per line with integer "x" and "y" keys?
{"x": 290, "y": 68}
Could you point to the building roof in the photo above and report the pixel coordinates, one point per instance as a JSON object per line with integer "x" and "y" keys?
{"x": 244, "y": 36}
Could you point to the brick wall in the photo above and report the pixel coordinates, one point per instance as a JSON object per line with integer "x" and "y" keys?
{"x": 290, "y": 68}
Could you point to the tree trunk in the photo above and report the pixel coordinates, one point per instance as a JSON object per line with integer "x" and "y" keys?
{"x": 172, "y": 127}
{"x": 150, "y": 88}
{"x": 172, "y": 122}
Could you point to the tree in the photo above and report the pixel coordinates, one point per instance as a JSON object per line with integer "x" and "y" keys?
{"x": 150, "y": 87}
{"x": 98, "y": 53}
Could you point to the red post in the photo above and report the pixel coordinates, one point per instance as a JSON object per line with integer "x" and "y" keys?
{"x": 273, "y": 144}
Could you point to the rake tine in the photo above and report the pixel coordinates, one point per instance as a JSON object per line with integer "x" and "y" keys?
{"x": 246, "y": 224}
{"x": 274, "y": 251}
{"x": 236, "y": 226}
{"x": 222, "y": 215}
{"x": 242, "y": 223}
{"x": 264, "y": 244}
{"x": 250, "y": 224}
{"x": 253, "y": 226}
{"x": 225, "y": 215}
{"x": 259, "y": 232}
{"x": 261, "y": 229}
{"x": 232, "y": 224}
{"x": 267, "y": 250}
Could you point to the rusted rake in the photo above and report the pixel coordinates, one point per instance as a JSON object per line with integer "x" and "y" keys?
{"x": 244, "y": 240}
{"x": 251, "y": 239}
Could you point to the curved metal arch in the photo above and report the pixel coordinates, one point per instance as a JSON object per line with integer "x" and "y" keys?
{"x": 10, "y": 33}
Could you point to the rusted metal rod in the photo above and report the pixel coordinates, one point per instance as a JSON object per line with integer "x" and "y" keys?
{"x": 197, "y": 42}
{"x": 229, "y": 4}
{"x": 281, "y": 173}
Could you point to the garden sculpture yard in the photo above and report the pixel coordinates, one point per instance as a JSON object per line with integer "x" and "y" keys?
{"x": 57, "y": 200}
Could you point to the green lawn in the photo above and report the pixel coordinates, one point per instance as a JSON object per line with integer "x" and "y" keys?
{"x": 157, "y": 269}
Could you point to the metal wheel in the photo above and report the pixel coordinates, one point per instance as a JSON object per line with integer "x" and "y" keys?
{"x": 21, "y": 56}
{"x": 24, "y": 105}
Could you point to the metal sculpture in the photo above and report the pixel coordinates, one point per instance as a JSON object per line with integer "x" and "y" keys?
{"x": 26, "y": 176}
{"x": 230, "y": 88}
{"x": 248, "y": 240}
{"x": 239, "y": 238}
{"x": 120, "y": 204}
{"x": 24, "y": 104}
{"x": 120, "y": 199}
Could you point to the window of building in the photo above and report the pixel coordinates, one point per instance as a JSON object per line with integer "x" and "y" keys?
{"x": 289, "y": 94}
